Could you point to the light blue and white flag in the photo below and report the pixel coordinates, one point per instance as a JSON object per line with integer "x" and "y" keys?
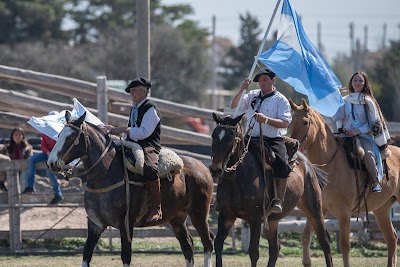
{"x": 52, "y": 125}
{"x": 298, "y": 62}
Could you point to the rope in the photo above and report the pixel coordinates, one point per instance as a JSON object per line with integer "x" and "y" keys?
{"x": 54, "y": 225}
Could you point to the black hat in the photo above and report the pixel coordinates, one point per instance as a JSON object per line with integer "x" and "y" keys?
{"x": 137, "y": 82}
{"x": 266, "y": 71}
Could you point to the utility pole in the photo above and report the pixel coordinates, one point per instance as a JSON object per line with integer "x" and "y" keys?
{"x": 214, "y": 67}
{"x": 365, "y": 38}
{"x": 143, "y": 39}
{"x": 351, "y": 27}
{"x": 319, "y": 43}
{"x": 384, "y": 35}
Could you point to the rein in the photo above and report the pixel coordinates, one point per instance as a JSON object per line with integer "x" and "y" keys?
{"x": 61, "y": 161}
{"x": 304, "y": 140}
{"x": 237, "y": 140}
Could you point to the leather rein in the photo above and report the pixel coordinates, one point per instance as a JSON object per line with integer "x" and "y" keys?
{"x": 61, "y": 161}
{"x": 303, "y": 141}
{"x": 235, "y": 144}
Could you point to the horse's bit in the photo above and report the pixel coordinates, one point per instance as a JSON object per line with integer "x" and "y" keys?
{"x": 237, "y": 140}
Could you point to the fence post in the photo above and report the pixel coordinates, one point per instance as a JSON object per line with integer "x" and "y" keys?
{"x": 102, "y": 99}
{"x": 15, "y": 212}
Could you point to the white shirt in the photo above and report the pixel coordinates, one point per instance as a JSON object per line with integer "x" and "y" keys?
{"x": 149, "y": 123}
{"x": 276, "y": 107}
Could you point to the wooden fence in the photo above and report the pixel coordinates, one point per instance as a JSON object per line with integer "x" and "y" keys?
{"x": 17, "y": 108}
{"x": 15, "y": 202}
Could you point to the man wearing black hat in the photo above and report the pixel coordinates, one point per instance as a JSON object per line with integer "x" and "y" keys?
{"x": 272, "y": 109}
{"x": 144, "y": 128}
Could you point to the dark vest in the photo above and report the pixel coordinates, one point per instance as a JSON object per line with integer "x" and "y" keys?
{"x": 154, "y": 139}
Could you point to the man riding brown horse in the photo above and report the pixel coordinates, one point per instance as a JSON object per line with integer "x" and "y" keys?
{"x": 144, "y": 128}
{"x": 271, "y": 111}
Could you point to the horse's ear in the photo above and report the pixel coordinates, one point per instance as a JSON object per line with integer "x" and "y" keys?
{"x": 293, "y": 105}
{"x": 305, "y": 105}
{"x": 67, "y": 116}
{"x": 237, "y": 119}
{"x": 217, "y": 118}
{"x": 81, "y": 119}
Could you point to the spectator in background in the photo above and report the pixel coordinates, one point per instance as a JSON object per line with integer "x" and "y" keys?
{"x": 46, "y": 146}
{"x": 17, "y": 149}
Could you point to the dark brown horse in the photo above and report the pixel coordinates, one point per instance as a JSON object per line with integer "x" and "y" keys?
{"x": 341, "y": 196}
{"x": 240, "y": 193}
{"x": 189, "y": 193}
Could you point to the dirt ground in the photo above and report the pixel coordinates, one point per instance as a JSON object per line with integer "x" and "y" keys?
{"x": 44, "y": 218}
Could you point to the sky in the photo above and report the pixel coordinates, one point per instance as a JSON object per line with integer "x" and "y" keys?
{"x": 334, "y": 17}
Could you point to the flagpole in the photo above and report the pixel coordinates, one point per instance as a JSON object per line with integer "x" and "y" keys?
{"x": 256, "y": 57}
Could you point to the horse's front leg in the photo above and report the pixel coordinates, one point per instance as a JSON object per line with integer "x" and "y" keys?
{"x": 344, "y": 233}
{"x": 126, "y": 246}
{"x": 255, "y": 232}
{"x": 94, "y": 233}
{"x": 273, "y": 243}
{"x": 224, "y": 226}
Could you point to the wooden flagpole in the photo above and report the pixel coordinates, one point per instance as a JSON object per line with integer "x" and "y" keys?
{"x": 257, "y": 56}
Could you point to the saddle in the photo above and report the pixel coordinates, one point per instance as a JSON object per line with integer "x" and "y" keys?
{"x": 355, "y": 153}
{"x": 292, "y": 146}
{"x": 353, "y": 150}
{"x": 169, "y": 162}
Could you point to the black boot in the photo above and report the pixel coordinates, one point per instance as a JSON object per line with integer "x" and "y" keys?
{"x": 277, "y": 202}
{"x": 155, "y": 213}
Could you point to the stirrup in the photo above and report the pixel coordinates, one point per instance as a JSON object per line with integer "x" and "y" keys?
{"x": 376, "y": 188}
{"x": 276, "y": 206}
{"x": 159, "y": 213}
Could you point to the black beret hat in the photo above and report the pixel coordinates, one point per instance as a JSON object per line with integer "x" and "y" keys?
{"x": 266, "y": 71}
{"x": 137, "y": 82}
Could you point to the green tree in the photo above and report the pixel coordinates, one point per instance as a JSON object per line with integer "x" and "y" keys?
{"x": 31, "y": 20}
{"x": 239, "y": 60}
{"x": 92, "y": 17}
{"x": 387, "y": 74}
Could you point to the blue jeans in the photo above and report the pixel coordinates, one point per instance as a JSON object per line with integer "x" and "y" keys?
{"x": 32, "y": 170}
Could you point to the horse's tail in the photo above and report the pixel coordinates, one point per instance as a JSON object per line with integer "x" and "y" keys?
{"x": 322, "y": 176}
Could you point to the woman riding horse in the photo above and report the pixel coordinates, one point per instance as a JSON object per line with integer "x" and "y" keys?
{"x": 343, "y": 193}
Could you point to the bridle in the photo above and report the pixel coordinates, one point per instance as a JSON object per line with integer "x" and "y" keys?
{"x": 234, "y": 146}
{"x": 303, "y": 141}
{"x": 61, "y": 161}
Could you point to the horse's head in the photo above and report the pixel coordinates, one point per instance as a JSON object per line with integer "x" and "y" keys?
{"x": 225, "y": 139}
{"x": 301, "y": 123}
{"x": 71, "y": 143}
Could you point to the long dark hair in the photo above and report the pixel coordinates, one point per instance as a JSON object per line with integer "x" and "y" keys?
{"x": 367, "y": 90}
{"x": 12, "y": 145}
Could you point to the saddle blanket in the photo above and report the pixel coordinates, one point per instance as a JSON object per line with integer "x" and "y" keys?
{"x": 169, "y": 161}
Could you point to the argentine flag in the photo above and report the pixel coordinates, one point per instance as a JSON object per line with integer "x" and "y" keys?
{"x": 298, "y": 62}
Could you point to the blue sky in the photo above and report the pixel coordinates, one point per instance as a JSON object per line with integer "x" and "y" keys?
{"x": 334, "y": 16}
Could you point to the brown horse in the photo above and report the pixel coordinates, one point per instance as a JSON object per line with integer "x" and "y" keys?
{"x": 240, "y": 193}
{"x": 340, "y": 197}
{"x": 188, "y": 193}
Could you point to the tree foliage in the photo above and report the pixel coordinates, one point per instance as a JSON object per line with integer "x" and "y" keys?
{"x": 387, "y": 74}
{"x": 239, "y": 59}
{"x": 31, "y": 20}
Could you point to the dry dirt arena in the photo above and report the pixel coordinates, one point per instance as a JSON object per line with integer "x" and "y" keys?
{"x": 49, "y": 217}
